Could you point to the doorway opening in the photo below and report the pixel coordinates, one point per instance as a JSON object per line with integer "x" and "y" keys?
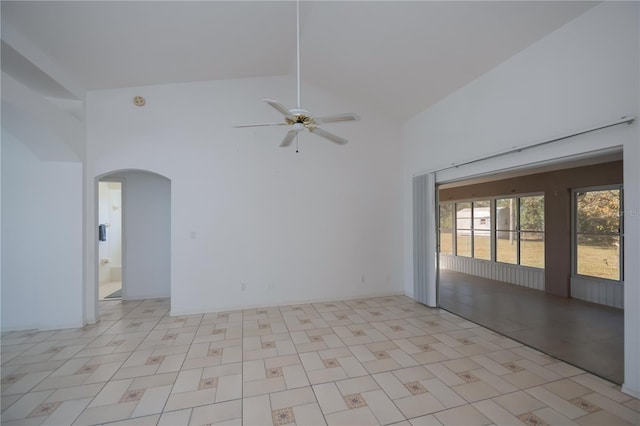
{"x": 110, "y": 257}
{"x": 536, "y": 255}
{"x": 141, "y": 218}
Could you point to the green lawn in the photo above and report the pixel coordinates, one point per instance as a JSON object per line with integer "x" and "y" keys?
{"x": 597, "y": 261}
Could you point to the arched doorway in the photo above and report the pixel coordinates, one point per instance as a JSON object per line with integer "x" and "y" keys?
{"x": 145, "y": 211}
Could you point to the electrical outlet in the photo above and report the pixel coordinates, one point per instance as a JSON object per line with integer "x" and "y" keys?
{"x": 243, "y": 287}
{"x": 270, "y": 285}
{"x": 362, "y": 280}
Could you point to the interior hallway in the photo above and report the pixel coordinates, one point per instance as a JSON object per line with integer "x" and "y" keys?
{"x": 584, "y": 334}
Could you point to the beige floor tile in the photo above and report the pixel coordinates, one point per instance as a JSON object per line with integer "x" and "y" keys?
{"x": 567, "y": 389}
{"x": 152, "y": 401}
{"x": 380, "y": 365}
{"x": 382, "y": 407}
{"x": 518, "y": 403}
{"x": 67, "y": 412}
{"x": 613, "y": 407}
{"x": 311, "y": 361}
{"x": 428, "y": 420}
{"x": 418, "y": 405}
{"x": 292, "y": 398}
{"x": 447, "y": 376}
{"x": 357, "y": 416}
{"x": 552, "y": 417}
{"x": 111, "y": 393}
{"x": 265, "y": 386}
{"x": 106, "y": 413}
{"x": 412, "y": 374}
{"x": 466, "y": 415}
{"x": 602, "y": 387}
{"x": 138, "y": 421}
{"x": 494, "y": 381}
{"x": 459, "y": 372}
{"x": 173, "y": 418}
{"x": 326, "y": 375}
{"x": 295, "y": 376}
{"x": 76, "y": 392}
{"x": 601, "y": 418}
{"x": 391, "y": 385}
{"x": 357, "y": 385}
{"x": 496, "y": 413}
{"x": 524, "y": 379}
{"x": 443, "y": 393}
{"x": 308, "y": 414}
{"x": 563, "y": 369}
{"x": 179, "y": 401}
{"x": 216, "y": 413}
{"x": 561, "y": 405}
{"x": 256, "y": 410}
{"x": 329, "y": 398}
{"x": 475, "y": 391}
{"x": 187, "y": 380}
{"x": 229, "y": 387}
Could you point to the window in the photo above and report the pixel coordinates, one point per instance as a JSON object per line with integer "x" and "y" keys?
{"x": 598, "y": 236}
{"x": 482, "y": 229}
{"x": 473, "y": 229}
{"x": 516, "y": 235}
{"x": 532, "y": 231}
{"x": 506, "y": 230}
{"x": 463, "y": 229}
{"x": 446, "y": 228}
{"x": 520, "y": 231}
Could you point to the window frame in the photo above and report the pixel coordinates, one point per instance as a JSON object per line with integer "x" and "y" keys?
{"x": 574, "y": 231}
{"x": 492, "y": 226}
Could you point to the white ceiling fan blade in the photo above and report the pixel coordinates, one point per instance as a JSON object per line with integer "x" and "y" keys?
{"x": 277, "y": 105}
{"x": 349, "y": 116}
{"x": 323, "y": 133}
{"x": 288, "y": 138}
{"x": 261, "y": 125}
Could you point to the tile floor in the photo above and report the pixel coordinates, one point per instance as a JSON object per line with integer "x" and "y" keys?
{"x": 105, "y": 289}
{"x": 371, "y": 361}
{"x": 584, "y": 334}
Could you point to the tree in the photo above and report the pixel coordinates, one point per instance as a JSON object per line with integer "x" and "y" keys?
{"x": 598, "y": 215}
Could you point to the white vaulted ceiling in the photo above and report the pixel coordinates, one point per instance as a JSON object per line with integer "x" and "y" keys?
{"x": 399, "y": 56}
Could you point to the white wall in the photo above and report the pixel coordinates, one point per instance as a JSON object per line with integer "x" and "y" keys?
{"x": 41, "y": 240}
{"x": 584, "y": 74}
{"x": 292, "y": 227}
{"x": 146, "y": 201}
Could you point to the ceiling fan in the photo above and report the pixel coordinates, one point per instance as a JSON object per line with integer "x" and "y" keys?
{"x": 300, "y": 119}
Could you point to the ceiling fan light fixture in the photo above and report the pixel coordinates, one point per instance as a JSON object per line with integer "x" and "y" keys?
{"x": 299, "y": 118}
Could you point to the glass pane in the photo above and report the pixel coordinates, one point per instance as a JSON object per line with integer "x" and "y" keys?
{"x": 446, "y": 217}
{"x": 446, "y": 242}
{"x": 598, "y": 212}
{"x": 481, "y": 244}
{"x": 463, "y": 215}
{"x": 507, "y": 247}
{"x": 446, "y": 221}
{"x": 532, "y": 249}
{"x": 532, "y": 213}
{"x": 599, "y": 256}
{"x": 463, "y": 243}
{"x": 506, "y": 218}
